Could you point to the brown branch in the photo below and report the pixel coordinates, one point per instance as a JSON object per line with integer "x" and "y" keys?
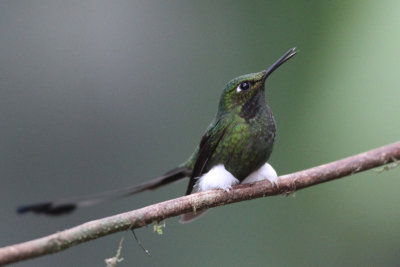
{"x": 199, "y": 201}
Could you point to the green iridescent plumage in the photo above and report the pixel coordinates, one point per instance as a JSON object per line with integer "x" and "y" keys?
{"x": 241, "y": 136}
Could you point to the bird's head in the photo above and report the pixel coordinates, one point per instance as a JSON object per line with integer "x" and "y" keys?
{"x": 248, "y": 88}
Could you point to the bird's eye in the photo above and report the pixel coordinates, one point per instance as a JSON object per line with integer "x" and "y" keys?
{"x": 243, "y": 87}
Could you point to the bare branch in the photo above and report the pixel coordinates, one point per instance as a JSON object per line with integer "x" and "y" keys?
{"x": 199, "y": 201}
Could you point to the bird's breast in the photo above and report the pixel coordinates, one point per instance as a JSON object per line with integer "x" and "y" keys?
{"x": 248, "y": 145}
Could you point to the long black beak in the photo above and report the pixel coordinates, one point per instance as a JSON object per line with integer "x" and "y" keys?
{"x": 288, "y": 55}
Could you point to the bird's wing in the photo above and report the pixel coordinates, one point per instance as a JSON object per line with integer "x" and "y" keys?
{"x": 205, "y": 150}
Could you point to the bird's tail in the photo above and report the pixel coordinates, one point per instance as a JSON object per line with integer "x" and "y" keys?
{"x": 67, "y": 205}
{"x": 191, "y": 216}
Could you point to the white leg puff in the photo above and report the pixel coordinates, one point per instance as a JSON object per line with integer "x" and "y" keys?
{"x": 217, "y": 178}
{"x": 264, "y": 172}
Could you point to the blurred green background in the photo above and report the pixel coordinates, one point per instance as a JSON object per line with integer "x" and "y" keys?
{"x": 98, "y": 95}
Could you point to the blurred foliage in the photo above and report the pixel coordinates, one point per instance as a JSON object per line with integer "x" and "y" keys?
{"x": 97, "y": 95}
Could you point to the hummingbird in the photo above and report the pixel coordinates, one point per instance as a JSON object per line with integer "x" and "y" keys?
{"x": 234, "y": 149}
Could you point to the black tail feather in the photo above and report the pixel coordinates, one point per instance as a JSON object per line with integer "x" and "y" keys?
{"x": 47, "y": 208}
{"x": 67, "y": 205}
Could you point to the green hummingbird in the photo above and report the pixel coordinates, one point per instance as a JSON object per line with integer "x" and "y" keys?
{"x": 234, "y": 149}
